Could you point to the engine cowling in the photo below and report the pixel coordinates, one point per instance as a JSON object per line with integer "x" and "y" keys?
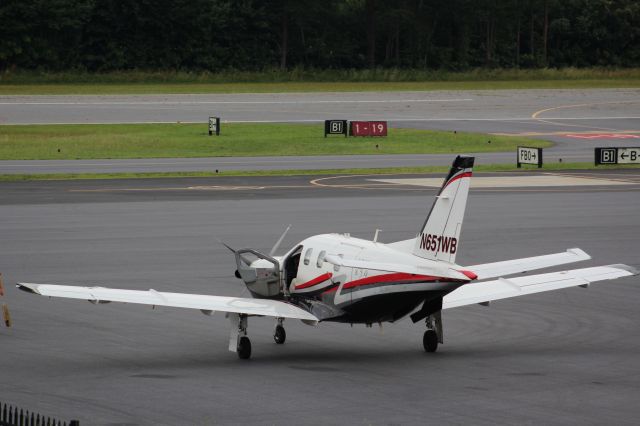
{"x": 260, "y": 273}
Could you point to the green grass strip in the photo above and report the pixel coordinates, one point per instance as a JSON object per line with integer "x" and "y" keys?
{"x": 102, "y": 141}
{"x": 306, "y": 87}
{"x": 240, "y": 173}
{"x": 311, "y": 80}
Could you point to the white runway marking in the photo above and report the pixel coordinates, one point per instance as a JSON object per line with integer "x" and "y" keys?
{"x": 345, "y": 101}
{"x": 511, "y": 181}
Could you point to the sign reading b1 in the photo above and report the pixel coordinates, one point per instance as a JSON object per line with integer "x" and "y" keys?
{"x": 528, "y": 155}
{"x": 335, "y": 127}
{"x": 630, "y": 155}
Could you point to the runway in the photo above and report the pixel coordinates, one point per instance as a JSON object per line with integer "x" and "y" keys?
{"x": 567, "y": 357}
{"x": 576, "y": 120}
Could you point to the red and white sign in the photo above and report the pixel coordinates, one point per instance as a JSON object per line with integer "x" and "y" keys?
{"x": 368, "y": 128}
{"x": 360, "y": 128}
{"x": 601, "y": 136}
{"x": 378, "y": 128}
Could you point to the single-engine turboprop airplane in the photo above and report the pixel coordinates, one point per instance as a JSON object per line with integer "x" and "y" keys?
{"x": 350, "y": 280}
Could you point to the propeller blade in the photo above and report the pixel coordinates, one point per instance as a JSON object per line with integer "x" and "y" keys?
{"x": 234, "y": 251}
{"x": 277, "y": 244}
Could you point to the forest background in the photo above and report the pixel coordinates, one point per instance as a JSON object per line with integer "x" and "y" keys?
{"x": 214, "y": 36}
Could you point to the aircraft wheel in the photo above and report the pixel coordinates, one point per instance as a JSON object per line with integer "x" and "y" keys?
{"x": 280, "y": 335}
{"x": 430, "y": 341}
{"x": 244, "y": 348}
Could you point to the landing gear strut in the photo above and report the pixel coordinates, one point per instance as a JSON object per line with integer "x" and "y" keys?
{"x": 279, "y": 334}
{"x": 238, "y": 340}
{"x": 433, "y": 335}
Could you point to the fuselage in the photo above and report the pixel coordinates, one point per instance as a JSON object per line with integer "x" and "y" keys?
{"x": 335, "y": 292}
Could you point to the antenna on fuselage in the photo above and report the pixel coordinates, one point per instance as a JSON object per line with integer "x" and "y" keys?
{"x": 375, "y": 237}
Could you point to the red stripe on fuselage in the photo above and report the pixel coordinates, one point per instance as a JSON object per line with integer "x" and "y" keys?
{"x": 316, "y": 280}
{"x": 398, "y": 277}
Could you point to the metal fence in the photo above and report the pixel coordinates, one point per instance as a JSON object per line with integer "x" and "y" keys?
{"x": 14, "y": 416}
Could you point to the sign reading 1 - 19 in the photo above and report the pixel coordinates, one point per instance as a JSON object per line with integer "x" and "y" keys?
{"x": 368, "y": 128}
{"x": 527, "y": 155}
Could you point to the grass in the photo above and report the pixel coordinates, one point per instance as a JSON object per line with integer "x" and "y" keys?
{"x": 101, "y": 141}
{"x": 391, "y": 170}
{"x": 305, "y": 80}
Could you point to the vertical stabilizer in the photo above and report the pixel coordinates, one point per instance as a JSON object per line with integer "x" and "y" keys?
{"x": 439, "y": 237}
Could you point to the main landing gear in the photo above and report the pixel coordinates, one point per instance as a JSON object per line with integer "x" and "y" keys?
{"x": 279, "y": 335}
{"x": 239, "y": 341}
{"x": 433, "y": 335}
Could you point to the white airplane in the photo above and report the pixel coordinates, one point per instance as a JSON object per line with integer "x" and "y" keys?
{"x": 344, "y": 279}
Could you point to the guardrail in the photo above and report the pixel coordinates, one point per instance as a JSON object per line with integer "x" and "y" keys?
{"x": 14, "y": 416}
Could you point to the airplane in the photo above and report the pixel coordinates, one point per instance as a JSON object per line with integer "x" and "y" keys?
{"x": 340, "y": 278}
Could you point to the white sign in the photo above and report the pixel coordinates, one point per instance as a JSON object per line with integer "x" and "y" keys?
{"x": 529, "y": 156}
{"x": 628, "y": 155}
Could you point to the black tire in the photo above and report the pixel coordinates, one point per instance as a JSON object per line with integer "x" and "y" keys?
{"x": 244, "y": 348}
{"x": 280, "y": 335}
{"x": 430, "y": 341}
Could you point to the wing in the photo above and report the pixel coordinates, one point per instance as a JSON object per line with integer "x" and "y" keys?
{"x": 205, "y": 303}
{"x": 487, "y": 291}
{"x": 509, "y": 267}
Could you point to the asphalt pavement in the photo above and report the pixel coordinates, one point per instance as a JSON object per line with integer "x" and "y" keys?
{"x": 566, "y": 357}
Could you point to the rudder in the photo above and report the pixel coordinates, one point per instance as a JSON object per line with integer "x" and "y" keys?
{"x": 439, "y": 238}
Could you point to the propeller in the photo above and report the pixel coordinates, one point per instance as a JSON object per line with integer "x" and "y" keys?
{"x": 234, "y": 251}
{"x": 276, "y": 246}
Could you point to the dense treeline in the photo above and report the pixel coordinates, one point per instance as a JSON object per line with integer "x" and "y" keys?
{"x": 104, "y": 35}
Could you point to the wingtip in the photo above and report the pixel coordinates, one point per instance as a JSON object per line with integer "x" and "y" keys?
{"x": 579, "y": 252}
{"x": 29, "y": 288}
{"x": 630, "y": 269}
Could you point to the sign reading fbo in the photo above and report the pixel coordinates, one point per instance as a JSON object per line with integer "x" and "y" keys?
{"x": 528, "y": 155}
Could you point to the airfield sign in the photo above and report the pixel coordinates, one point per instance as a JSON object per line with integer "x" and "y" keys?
{"x": 528, "y": 155}
{"x": 630, "y": 155}
{"x": 335, "y": 127}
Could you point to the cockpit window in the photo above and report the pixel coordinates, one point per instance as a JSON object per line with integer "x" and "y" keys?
{"x": 307, "y": 256}
{"x": 321, "y": 258}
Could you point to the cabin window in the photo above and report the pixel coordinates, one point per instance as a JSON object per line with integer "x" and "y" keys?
{"x": 307, "y": 256}
{"x": 321, "y": 259}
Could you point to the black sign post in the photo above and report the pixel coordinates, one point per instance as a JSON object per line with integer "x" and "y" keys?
{"x": 214, "y": 126}
{"x": 335, "y": 127}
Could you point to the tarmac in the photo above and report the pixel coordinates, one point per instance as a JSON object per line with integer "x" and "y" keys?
{"x": 565, "y": 357}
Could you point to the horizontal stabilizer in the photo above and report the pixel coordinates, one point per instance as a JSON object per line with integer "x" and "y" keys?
{"x": 487, "y": 291}
{"x": 240, "y": 305}
{"x": 516, "y": 266}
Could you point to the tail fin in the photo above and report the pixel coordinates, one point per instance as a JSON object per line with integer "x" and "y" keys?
{"x": 439, "y": 237}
